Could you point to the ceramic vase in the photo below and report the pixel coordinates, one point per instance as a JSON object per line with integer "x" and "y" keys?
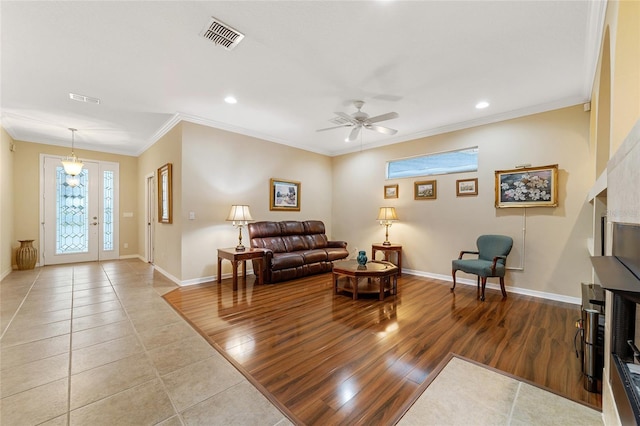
{"x": 26, "y": 255}
{"x": 362, "y": 258}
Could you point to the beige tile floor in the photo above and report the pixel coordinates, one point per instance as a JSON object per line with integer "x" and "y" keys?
{"x": 95, "y": 344}
{"x": 464, "y": 393}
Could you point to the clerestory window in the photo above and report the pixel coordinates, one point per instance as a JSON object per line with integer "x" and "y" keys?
{"x": 458, "y": 161}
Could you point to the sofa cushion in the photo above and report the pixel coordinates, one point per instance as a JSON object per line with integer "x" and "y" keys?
{"x": 313, "y": 227}
{"x": 274, "y": 244}
{"x": 294, "y": 243}
{"x": 291, "y": 227}
{"x": 264, "y": 229}
{"x": 286, "y": 260}
{"x": 316, "y": 241}
{"x": 313, "y": 256}
{"x": 336, "y": 253}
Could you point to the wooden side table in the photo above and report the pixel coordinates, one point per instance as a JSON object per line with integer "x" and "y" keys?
{"x": 234, "y": 257}
{"x": 387, "y": 250}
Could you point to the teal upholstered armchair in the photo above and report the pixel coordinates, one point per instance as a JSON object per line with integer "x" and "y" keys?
{"x": 492, "y": 255}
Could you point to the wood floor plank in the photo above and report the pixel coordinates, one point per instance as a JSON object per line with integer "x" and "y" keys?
{"x": 328, "y": 359}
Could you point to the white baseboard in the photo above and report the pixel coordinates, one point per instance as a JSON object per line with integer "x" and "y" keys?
{"x": 5, "y": 273}
{"x": 195, "y": 281}
{"x": 201, "y": 280}
{"x": 130, "y": 256}
{"x": 510, "y": 289}
{"x": 209, "y": 279}
{"x": 166, "y": 274}
{"x": 464, "y": 281}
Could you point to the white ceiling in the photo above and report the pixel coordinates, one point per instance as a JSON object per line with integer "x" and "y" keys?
{"x": 300, "y": 62}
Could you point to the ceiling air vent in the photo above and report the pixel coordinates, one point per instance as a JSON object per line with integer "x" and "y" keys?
{"x": 83, "y": 98}
{"x": 221, "y": 34}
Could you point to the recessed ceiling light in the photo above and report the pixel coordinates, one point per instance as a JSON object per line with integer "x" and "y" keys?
{"x": 482, "y": 105}
{"x": 230, "y": 100}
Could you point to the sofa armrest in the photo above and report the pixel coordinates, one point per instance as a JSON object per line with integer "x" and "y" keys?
{"x": 337, "y": 244}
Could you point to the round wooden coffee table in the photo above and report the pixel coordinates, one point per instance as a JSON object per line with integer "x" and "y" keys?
{"x": 381, "y": 277}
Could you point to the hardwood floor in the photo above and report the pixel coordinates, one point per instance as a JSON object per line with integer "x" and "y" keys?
{"x": 327, "y": 359}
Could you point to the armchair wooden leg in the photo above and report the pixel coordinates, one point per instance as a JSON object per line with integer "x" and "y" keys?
{"x": 453, "y": 273}
{"x": 484, "y": 283}
{"x": 504, "y": 292}
{"x": 478, "y": 287}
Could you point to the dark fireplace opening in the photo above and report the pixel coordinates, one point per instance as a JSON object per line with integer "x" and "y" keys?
{"x": 620, "y": 274}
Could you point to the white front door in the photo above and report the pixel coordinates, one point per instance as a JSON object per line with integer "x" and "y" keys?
{"x": 79, "y": 223}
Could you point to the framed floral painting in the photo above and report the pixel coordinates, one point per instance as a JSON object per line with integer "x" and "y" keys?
{"x": 527, "y": 187}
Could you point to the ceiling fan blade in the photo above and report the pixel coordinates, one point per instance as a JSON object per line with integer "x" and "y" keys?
{"x": 380, "y": 129}
{"x": 347, "y": 117}
{"x": 354, "y": 134}
{"x": 387, "y": 116}
{"x": 335, "y": 127}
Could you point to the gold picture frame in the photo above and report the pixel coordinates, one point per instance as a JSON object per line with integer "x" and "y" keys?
{"x": 391, "y": 191}
{"x": 425, "y": 190}
{"x": 165, "y": 194}
{"x": 465, "y": 187}
{"x": 284, "y": 195}
{"x": 527, "y": 187}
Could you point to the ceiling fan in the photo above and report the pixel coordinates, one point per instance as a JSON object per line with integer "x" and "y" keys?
{"x": 359, "y": 120}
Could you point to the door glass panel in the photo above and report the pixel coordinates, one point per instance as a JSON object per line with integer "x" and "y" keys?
{"x": 71, "y": 213}
{"x": 107, "y": 220}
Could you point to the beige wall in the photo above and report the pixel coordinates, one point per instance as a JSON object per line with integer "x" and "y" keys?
{"x": 7, "y": 239}
{"x": 432, "y": 232}
{"x": 168, "y": 236}
{"x": 622, "y": 41}
{"x": 625, "y": 107}
{"x": 27, "y": 188}
{"x": 226, "y": 168}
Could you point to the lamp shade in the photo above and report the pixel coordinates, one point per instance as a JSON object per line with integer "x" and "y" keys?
{"x": 239, "y": 213}
{"x": 72, "y": 166}
{"x": 387, "y": 214}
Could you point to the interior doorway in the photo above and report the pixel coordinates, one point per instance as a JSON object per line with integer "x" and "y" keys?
{"x": 150, "y": 216}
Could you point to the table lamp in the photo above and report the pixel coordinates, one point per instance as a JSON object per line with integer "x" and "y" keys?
{"x": 240, "y": 216}
{"x": 387, "y": 216}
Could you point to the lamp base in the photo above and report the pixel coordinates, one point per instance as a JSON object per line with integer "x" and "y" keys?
{"x": 240, "y": 247}
{"x": 386, "y": 243}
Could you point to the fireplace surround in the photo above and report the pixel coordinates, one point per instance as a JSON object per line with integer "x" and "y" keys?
{"x": 620, "y": 274}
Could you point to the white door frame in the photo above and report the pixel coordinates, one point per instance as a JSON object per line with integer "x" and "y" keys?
{"x": 102, "y": 165}
{"x": 150, "y": 216}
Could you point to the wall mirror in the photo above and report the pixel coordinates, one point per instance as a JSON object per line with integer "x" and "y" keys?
{"x": 164, "y": 194}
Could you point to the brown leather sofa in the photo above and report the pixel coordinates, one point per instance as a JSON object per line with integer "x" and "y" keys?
{"x": 294, "y": 249}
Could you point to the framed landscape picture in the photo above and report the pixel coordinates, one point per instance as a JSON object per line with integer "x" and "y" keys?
{"x": 425, "y": 190}
{"x": 527, "y": 187}
{"x": 284, "y": 195}
{"x": 466, "y": 187}
{"x": 391, "y": 191}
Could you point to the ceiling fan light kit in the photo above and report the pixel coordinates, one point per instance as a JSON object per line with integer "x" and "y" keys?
{"x": 359, "y": 120}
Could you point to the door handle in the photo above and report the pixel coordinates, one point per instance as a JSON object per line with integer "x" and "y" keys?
{"x": 94, "y": 223}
